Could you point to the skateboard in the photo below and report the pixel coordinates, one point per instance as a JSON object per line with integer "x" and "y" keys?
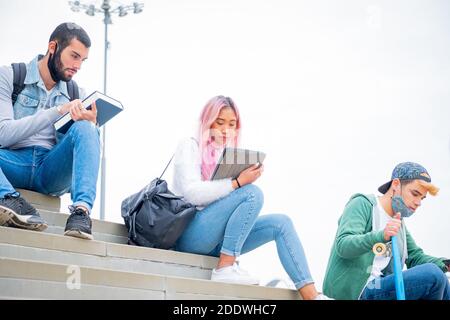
{"x": 380, "y": 249}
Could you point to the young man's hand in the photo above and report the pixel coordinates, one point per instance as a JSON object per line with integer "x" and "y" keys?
{"x": 392, "y": 227}
{"x": 447, "y": 264}
{"x": 78, "y": 112}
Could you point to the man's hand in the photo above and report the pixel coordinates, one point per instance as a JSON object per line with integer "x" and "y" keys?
{"x": 78, "y": 112}
{"x": 392, "y": 227}
{"x": 447, "y": 264}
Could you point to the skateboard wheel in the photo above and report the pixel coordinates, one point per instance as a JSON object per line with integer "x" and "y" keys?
{"x": 379, "y": 249}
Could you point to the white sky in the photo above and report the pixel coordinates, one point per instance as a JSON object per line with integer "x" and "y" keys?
{"x": 335, "y": 92}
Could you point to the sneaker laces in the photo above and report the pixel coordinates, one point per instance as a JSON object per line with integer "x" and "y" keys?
{"x": 20, "y": 205}
{"x": 79, "y": 215}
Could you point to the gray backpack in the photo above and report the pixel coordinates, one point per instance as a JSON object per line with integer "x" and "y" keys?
{"x": 155, "y": 217}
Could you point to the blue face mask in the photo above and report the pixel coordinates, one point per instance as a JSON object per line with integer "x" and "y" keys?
{"x": 398, "y": 205}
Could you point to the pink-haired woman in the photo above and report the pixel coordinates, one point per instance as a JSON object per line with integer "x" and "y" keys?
{"x": 228, "y": 224}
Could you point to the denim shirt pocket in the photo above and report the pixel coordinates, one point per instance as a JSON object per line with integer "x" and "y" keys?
{"x": 25, "y": 106}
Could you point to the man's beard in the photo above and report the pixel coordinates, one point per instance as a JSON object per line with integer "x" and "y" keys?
{"x": 56, "y": 67}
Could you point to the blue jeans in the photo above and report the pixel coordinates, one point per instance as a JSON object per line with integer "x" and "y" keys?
{"x": 231, "y": 226}
{"x": 423, "y": 282}
{"x": 72, "y": 164}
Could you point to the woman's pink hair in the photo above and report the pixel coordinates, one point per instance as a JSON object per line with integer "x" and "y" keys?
{"x": 209, "y": 114}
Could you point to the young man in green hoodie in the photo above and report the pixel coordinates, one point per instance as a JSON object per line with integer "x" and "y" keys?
{"x": 355, "y": 272}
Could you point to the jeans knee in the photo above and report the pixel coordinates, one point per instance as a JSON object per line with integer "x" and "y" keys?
{"x": 283, "y": 222}
{"x": 254, "y": 194}
{"x": 83, "y": 127}
{"x": 435, "y": 273}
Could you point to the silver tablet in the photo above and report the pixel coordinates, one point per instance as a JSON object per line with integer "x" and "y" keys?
{"x": 234, "y": 160}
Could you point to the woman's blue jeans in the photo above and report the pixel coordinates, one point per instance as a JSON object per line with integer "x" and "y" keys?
{"x": 422, "y": 282}
{"x": 231, "y": 226}
{"x": 72, "y": 165}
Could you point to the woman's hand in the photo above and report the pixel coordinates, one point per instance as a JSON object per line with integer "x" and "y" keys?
{"x": 251, "y": 174}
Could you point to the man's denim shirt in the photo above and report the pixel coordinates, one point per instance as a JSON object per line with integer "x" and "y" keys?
{"x": 30, "y": 121}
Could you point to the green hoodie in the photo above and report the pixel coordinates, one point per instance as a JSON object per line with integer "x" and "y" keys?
{"x": 351, "y": 258}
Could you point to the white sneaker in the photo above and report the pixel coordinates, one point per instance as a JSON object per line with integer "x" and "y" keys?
{"x": 233, "y": 274}
{"x": 321, "y": 296}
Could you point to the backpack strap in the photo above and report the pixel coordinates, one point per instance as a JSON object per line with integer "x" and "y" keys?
{"x": 19, "y": 74}
{"x": 72, "y": 90}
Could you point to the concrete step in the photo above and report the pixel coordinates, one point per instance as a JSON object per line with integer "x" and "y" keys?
{"x": 101, "y": 230}
{"x": 34, "y": 265}
{"x": 27, "y": 279}
{"x": 49, "y": 208}
{"x": 41, "y": 201}
{"x": 40, "y": 246}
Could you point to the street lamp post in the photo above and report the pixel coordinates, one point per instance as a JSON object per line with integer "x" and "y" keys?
{"x": 107, "y": 11}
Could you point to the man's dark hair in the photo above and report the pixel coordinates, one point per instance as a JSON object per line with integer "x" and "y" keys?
{"x": 66, "y": 32}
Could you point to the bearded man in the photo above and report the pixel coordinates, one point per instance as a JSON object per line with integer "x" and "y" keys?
{"x": 33, "y": 155}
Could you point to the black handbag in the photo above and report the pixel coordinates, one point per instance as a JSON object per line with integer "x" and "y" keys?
{"x": 155, "y": 217}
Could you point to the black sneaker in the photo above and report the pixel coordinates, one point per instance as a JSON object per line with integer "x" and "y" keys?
{"x": 18, "y": 213}
{"x": 79, "y": 225}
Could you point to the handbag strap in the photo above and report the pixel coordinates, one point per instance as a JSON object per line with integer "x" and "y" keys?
{"x": 166, "y": 167}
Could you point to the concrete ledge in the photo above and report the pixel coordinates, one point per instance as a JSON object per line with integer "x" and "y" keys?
{"x": 167, "y": 256}
{"x": 39, "y": 246}
{"x": 97, "y": 236}
{"x": 32, "y": 270}
{"x": 47, "y": 276}
{"x": 41, "y": 201}
{"x": 182, "y": 286}
{"x": 47, "y": 241}
{"x": 37, "y": 289}
{"x": 63, "y": 243}
{"x": 110, "y": 263}
{"x": 98, "y": 226}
